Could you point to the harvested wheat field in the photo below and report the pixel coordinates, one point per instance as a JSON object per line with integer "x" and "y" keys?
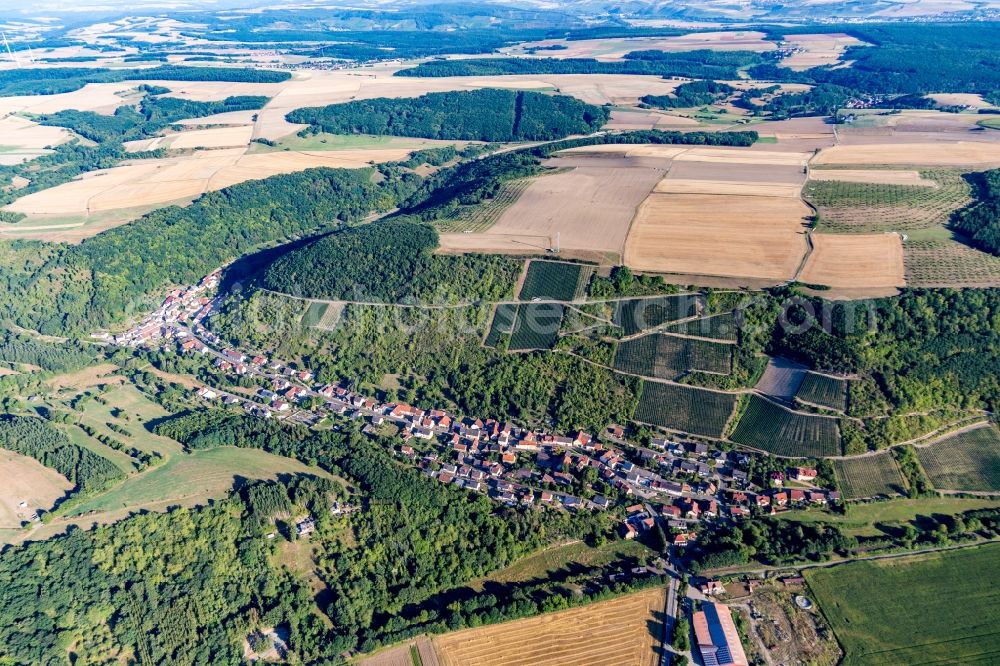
{"x": 23, "y": 134}
{"x": 225, "y": 118}
{"x": 25, "y": 480}
{"x": 211, "y": 91}
{"x": 728, "y": 235}
{"x": 147, "y": 183}
{"x": 588, "y": 207}
{"x": 855, "y": 261}
{"x": 875, "y": 176}
{"x": 958, "y": 153}
{"x": 97, "y": 97}
{"x": 740, "y": 156}
{"x": 214, "y": 137}
{"x": 818, "y": 49}
{"x": 960, "y": 99}
{"x": 609, "y": 633}
{"x": 722, "y": 187}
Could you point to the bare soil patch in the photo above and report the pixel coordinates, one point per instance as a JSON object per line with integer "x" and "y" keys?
{"x": 787, "y": 174}
{"x": 781, "y": 379}
{"x": 855, "y": 261}
{"x": 620, "y": 631}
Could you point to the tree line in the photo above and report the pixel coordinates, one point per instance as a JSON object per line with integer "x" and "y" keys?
{"x": 53, "y": 80}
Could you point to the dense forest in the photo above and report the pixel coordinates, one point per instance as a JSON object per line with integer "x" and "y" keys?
{"x": 981, "y": 220}
{"x": 53, "y": 80}
{"x": 468, "y": 115}
{"x": 390, "y": 261}
{"x": 64, "y": 357}
{"x": 34, "y": 437}
{"x": 191, "y": 585}
{"x": 699, "y": 64}
{"x": 155, "y": 112}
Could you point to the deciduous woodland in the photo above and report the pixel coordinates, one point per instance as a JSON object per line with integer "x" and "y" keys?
{"x": 474, "y": 115}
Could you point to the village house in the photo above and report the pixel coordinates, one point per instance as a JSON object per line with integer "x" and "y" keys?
{"x": 305, "y": 527}
{"x": 803, "y": 474}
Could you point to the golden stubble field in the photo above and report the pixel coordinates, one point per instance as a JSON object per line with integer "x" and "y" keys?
{"x": 587, "y": 209}
{"x": 722, "y": 235}
{"x": 876, "y": 176}
{"x": 625, "y": 630}
{"x": 85, "y": 206}
{"x": 27, "y": 480}
{"x": 954, "y": 153}
{"x": 726, "y": 212}
{"x": 855, "y": 261}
